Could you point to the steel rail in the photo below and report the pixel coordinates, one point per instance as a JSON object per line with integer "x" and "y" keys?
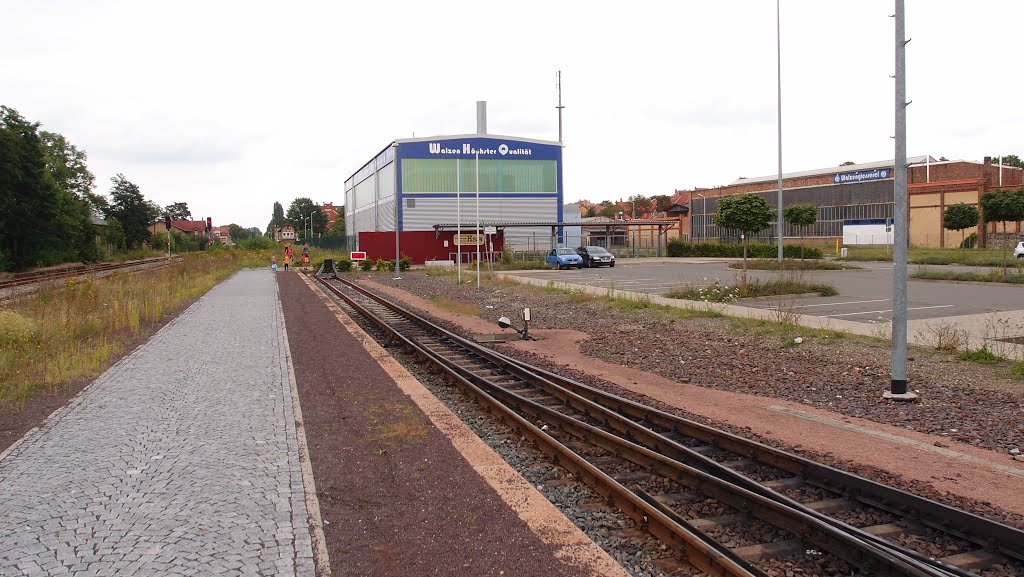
{"x": 693, "y": 545}
{"x": 22, "y": 279}
{"x": 779, "y": 512}
{"x": 986, "y": 534}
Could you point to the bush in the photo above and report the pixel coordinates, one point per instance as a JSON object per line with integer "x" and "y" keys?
{"x": 385, "y": 265}
{"x": 343, "y": 265}
{"x": 366, "y": 265}
{"x": 15, "y": 328}
{"x": 678, "y": 248}
{"x": 405, "y": 263}
{"x": 257, "y": 243}
{"x": 970, "y": 241}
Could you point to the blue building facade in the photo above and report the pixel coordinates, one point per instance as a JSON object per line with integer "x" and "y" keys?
{"x": 415, "y": 183}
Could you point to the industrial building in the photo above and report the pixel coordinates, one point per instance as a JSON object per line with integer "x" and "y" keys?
{"x": 855, "y": 202}
{"x": 413, "y": 184}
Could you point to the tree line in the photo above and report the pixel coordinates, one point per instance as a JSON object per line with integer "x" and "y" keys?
{"x": 306, "y": 217}
{"x": 46, "y": 198}
{"x": 50, "y": 214}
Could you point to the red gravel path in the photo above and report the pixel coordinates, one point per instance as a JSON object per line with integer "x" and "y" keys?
{"x": 396, "y": 497}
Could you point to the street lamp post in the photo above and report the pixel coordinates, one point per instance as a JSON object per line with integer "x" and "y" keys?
{"x": 311, "y": 222}
{"x": 704, "y": 217}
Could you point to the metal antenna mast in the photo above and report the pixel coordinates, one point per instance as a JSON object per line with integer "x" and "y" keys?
{"x": 558, "y": 75}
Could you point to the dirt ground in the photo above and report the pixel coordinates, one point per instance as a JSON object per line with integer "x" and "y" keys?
{"x": 945, "y": 465}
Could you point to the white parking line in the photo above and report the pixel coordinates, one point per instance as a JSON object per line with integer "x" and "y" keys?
{"x": 889, "y": 311}
{"x": 838, "y": 304}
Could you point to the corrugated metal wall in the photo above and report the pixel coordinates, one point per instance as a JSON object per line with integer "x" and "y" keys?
{"x": 419, "y": 213}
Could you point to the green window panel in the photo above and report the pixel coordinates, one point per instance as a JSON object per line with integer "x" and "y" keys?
{"x": 441, "y": 175}
{"x": 428, "y": 175}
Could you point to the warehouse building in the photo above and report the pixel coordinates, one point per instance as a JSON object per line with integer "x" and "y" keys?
{"x": 855, "y": 202}
{"x": 416, "y": 183}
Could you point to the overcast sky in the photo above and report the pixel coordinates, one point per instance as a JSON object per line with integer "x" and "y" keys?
{"x": 230, "y": 106}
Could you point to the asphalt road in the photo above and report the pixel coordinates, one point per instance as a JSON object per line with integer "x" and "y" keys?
{"x": 865, "y": 295}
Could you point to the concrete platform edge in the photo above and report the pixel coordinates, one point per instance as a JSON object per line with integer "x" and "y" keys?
{"x": 543, "y": 518}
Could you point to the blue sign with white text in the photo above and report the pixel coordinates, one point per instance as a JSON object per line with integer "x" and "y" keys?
{"x": 489, "y": 148}
{"x": 862, "y": 175}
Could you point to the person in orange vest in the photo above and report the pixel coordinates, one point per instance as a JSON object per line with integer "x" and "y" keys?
{"x": 289, "y": 254}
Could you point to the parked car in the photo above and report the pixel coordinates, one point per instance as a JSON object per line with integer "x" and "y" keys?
{"x": 595, "y": 256}
{"x": 1018, "y": 251}
{"x": 564, "y": 258}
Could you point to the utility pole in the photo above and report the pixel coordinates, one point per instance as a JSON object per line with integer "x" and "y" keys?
{"x": 479, "y": 231}
{"x": 778, "y": 57}
{"x": 898, "y": 383}
{"x": 558, "y": 84}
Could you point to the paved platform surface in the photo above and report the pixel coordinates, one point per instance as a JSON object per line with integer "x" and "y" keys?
{"x": 181, "y": 459}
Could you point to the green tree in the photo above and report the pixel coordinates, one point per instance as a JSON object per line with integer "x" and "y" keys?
{"x": 132, "y": 210}
{"x": 300, "y": 211}
{"x": 71, "y": 235}
{"x": 960, "y": 217}
{"x": 800, "y": 215}
{"x": 67, "y": 165}
{"x": 747, "y": 213}
{"x": 178, "y": 211}
{"x": 113, "y": 235}
{"x": 1009, "y": 160}
{"x": 662, "y": 202}
{"x": 591, "y": 211}
{"x": 28, "y": 194}
{"x": 276, "y": 219}
{"x": 609, "y": 210}
{"x": 1002, "y": 206}
{"x": 338, "y": 228}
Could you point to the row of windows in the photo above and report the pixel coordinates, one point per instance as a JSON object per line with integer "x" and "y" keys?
{"x": 830, "y": 222}
{"x": 456, "y": 175}
{"x": 382, "y": 160}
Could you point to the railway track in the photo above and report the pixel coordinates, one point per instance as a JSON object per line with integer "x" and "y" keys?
{"x": 23, "y": 280}
{"x": 725, "y": 504}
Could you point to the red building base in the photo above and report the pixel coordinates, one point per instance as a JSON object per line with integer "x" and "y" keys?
{"x": 423, "y": 245}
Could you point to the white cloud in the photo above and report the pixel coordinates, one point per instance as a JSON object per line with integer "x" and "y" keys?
{"x": 230, "y": 106}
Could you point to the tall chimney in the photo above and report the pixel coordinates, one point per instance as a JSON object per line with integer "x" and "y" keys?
{"x": 481, "y": 117}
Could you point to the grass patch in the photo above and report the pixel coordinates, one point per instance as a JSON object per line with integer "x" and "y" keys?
{"x": 1015, "y": 276}
{"x": 982, "y": 355}
{"x": 1017, "y": 370}
{"x": 71, "y": 331}
{"x": 396, "y": 426}
{"x": 770, "y": 264}
{"x": 719, "y": 293}
{"x": 458, "y": 307}
{"x": 976, "y": 256}
{"x": 521, "y": 265}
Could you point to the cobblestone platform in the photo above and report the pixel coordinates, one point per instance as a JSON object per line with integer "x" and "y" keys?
{"x": 181, "y": 459}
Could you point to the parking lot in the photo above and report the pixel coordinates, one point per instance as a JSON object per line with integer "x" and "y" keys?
{"x": 865, "y": 295}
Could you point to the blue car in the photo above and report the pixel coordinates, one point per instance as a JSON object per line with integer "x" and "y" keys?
{"x": 564, "y": 258}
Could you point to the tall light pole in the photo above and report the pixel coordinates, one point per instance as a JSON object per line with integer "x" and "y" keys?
{"x": 898, "y": 383}
{"x": 479, "y": 231}
{"x": 398, "y": 204}
{"x": 704, "y": 218}
{"x": 458, "y": 219}
{"x": 311, "y": 222}
{"x": 778, "y": 56}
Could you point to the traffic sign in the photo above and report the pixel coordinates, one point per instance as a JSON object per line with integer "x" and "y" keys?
{"x": 357, "y": 255}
